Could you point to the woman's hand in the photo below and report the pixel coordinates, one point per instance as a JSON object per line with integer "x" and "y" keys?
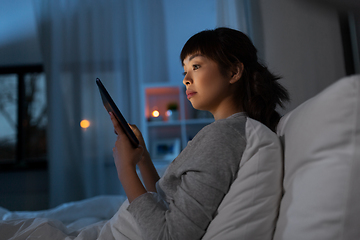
{"x": 146, "y": 155}
{"x": 143, "y": 160}
{"x": 138, "y": 135}
{"x": 126, "y": 157}
{"x": 148, "y": 172}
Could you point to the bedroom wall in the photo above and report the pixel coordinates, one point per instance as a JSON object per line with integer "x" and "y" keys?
{"x": 302, "y": 42}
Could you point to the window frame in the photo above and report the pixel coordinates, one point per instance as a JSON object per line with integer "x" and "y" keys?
{"x": 20, "y": 162}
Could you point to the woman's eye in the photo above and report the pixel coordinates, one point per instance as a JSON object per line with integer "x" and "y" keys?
{"x": 196, "y": 67}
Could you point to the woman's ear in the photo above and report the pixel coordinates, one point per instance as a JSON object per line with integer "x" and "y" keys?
{"x": 237, "y": 73}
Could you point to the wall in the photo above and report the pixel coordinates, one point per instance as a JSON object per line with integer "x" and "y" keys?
{"x": 302, "y": 42}
{"x": 184, "y": 19}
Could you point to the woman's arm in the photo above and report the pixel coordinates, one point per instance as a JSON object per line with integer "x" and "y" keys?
{"x": 148, "y": 172}
{"x": 126, "y": 157}
{"x": 147, "y": 169}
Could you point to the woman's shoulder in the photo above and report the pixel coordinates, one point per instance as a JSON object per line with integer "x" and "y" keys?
{"x": 235, "y": 122}
{"x": 228, "y": 128}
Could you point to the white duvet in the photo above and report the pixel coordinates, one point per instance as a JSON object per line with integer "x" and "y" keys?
{"x": 95, "y": 218}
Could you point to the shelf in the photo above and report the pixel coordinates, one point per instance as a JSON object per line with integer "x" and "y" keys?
{"x": 164, "y": 123}
{"x": 179, "y": 122}
{"x": 160, "y": 135}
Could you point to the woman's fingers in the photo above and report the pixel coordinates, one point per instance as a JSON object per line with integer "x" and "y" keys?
{"x": 138, "y": 134}
{"x": 117, "y": 128}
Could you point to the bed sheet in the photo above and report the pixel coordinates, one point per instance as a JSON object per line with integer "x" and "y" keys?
{"x": 102, "y": 217}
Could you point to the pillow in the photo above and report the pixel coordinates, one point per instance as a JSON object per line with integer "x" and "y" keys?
{"x": 250, "y": 208}
{"x": 321, "y": 141}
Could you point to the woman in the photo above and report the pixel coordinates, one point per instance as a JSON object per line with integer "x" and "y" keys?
{"x": 222, "y": 75}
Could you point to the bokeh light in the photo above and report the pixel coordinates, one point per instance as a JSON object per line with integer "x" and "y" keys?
{"x": 85, "y": 124}
{"x": 155, "y": 113}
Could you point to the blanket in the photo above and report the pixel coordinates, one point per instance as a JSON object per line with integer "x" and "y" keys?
{"x": 94, "y": 218}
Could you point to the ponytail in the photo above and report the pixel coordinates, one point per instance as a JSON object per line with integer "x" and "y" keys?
{"x": 260, "y": 94}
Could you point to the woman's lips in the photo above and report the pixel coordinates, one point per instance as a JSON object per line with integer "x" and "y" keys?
{"x": 190, "y": 94}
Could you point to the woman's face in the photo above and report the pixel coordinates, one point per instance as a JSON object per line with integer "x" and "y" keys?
{"x": 206, "y": 88}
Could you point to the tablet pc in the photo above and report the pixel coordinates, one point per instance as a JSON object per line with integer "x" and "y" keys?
{"x": 111, "y": 107}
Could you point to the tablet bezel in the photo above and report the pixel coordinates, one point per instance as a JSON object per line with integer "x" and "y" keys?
{"x": 110, "y": 106}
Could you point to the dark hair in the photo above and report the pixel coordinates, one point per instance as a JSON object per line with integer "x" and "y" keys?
{"x": 259, "y": 90}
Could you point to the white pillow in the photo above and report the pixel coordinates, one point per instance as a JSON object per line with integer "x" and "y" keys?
{"x": 321, "y": 141}
{"x": 250, "y": 208}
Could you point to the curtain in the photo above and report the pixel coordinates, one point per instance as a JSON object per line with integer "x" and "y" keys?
{"x": 243, "y": 15}
{"x": 119, "y": 41}
{"x": 234, "y": 14}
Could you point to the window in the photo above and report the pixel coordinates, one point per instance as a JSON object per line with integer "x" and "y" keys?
{"x": 23, "y": 118}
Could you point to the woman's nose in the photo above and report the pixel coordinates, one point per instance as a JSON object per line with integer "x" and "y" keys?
{"x": 187, "y": 80}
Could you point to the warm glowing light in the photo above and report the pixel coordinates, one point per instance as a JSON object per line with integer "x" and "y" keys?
{"x": 155, "y": 113}
{"x": 84, "y": 123}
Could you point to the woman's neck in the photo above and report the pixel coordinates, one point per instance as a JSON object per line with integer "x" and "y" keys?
{"x": 226, "y": 111}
